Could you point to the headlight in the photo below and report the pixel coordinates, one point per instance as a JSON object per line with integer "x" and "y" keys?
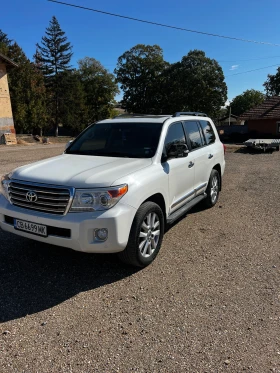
{"x": 5, "y": 181}
{"x": 97, "y": 199}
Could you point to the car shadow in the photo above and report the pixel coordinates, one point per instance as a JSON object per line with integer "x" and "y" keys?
{"x": 35, "y": 276}
{"x": 195, "y": 210}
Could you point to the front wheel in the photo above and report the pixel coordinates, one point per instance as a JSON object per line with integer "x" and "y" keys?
{"x": 145, "y": 236}
{"x": 213, "y": 189}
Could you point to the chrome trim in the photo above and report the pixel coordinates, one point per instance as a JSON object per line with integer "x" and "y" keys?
{"x": 41, "y": 203}
{"x": 200, "y": 187}
{"x": 182, "y": 199}
{"x": 39, "y": 191}
{"x": 37, "y": 208}
{"x": 47, "y": 186}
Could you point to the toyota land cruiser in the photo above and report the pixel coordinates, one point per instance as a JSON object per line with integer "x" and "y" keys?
{"x": 117, "y": 185}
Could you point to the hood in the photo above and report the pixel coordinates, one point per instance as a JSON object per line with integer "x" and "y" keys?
{"x": 80, "y": 171}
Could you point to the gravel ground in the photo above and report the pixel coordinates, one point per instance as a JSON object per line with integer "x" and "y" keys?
{"x": 209, "y": 303}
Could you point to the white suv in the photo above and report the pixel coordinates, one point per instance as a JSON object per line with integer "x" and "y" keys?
{"x": 117, "y": 186}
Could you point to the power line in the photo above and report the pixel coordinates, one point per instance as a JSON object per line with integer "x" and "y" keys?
{"x": 250, "y": 59}
{"x": 249, "y": 71}
{"x": 162, "y": 24}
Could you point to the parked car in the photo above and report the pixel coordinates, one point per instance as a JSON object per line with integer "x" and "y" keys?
{"x": 117, "y": 185}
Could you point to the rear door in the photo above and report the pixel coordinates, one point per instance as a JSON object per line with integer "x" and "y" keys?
{"x": 200, "y": 148}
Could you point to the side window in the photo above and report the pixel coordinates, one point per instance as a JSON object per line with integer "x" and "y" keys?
{"x": 175, "y": 135}
{"x": 193, "y": 131}
{"x": 208, "y": 132}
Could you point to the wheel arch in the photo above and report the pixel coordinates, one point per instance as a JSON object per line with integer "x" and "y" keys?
{"x": 159, "y": 200}
{"x": 218, "y": 168}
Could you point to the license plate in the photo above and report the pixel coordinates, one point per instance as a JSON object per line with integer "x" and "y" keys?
{"x": 29, "y": 227}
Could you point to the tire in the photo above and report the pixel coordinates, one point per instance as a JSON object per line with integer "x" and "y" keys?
{"x": 143, "y": 245}
{"x": 277, "y": 148}
{"x": 213, "y": 189}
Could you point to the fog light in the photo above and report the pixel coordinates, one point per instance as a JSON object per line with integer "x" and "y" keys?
{"x": 101, "y": 234}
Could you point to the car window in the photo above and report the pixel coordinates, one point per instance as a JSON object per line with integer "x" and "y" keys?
{"x": 193, "y": 131}
{"x": 175, "y": 135}
{"x": 208, "y": 132}
{"x": 117, "y": 139}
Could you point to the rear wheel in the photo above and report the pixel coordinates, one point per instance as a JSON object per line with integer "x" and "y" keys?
{"x": 213, "y": 189}
{"x": 145, "y": 236}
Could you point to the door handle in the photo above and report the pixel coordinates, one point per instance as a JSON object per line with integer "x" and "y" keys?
{"x": 191, "y": 164}
{"x": 210, "y": 156}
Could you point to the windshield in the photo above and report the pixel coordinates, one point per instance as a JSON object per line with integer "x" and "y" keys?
{"x": 133, "y": 140}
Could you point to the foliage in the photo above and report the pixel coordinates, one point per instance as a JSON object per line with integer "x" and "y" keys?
{"x": 139, "y": 71}
{"x": 5, "y": 43}
{"x": 113, "y": 113}
{"x": 196, "y": 83}
{"x": 73, "y": 107}
{"x": 151, "y": 85}
{"x": 272, "y": 84}
{"x": 48, "y": 92}
{"x": 99, "y": 86}
{"x": 54, "y": 56}
{"x": 27, "y": 90}
{"x": 247, "y": 100}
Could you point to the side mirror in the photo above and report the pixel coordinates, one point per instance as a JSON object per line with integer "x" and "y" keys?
{"x": 177, "y": 151}
{"x": 68, "y": 144}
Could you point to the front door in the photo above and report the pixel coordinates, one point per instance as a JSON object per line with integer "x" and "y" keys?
{"x": 180, "y": 170}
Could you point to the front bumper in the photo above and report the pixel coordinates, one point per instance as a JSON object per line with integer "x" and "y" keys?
{"x": 117, "y": 221}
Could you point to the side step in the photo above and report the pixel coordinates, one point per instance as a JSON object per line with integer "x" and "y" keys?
{"x": 182, "y": 210}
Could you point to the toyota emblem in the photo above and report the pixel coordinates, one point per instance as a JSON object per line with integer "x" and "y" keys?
{"x": 31, "y": 196}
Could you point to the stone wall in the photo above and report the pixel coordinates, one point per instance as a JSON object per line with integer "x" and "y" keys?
{"x": 6, "y": 116}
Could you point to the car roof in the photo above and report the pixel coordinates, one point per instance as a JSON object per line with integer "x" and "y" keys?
{"x": 152, "y": 118}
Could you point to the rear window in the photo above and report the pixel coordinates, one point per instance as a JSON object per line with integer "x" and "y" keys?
{"x": 208, "y": 132}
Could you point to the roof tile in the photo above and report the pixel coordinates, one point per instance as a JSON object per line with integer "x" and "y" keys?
{"x": 270, "y": 108}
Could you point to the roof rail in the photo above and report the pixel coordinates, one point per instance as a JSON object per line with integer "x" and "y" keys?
{"x": 194, "y": 113}
{"x": 140, "y": 116}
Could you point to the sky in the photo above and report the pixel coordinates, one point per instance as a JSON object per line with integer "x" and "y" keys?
{"x": 106, "y": 38}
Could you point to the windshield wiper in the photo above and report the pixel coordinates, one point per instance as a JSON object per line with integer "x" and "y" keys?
{"x": 115, "y": 154}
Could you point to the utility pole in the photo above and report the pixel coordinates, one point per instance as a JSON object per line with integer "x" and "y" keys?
{"x": 229, "y": 114}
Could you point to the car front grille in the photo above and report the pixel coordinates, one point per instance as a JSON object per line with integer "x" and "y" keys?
{"x": 44, "y": 198}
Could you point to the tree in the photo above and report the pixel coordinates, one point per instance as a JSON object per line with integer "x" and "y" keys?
{"x": 99, "y": 87}
{"x": 54, "y": 55}
{"x": 5, "y": 43}
{"x": 196, "y": 83}
{"x": 139, "y": 71}
{"x": 246, "y": 101}
{"x": 74, "y": 112}
{"x": 28, "y": 95}
{"x": 272, "y": 84}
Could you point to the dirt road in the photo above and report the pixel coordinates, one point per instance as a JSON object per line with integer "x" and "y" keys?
{"x": 209, "y": 303}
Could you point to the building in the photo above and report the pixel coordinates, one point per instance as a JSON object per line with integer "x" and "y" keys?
{"x": 230, "y": 120}
{"x": 264, "y": 119}
{"x": 6, "y": 115}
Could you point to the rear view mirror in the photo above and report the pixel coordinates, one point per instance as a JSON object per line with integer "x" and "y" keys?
{"x": 177, "y": 151}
